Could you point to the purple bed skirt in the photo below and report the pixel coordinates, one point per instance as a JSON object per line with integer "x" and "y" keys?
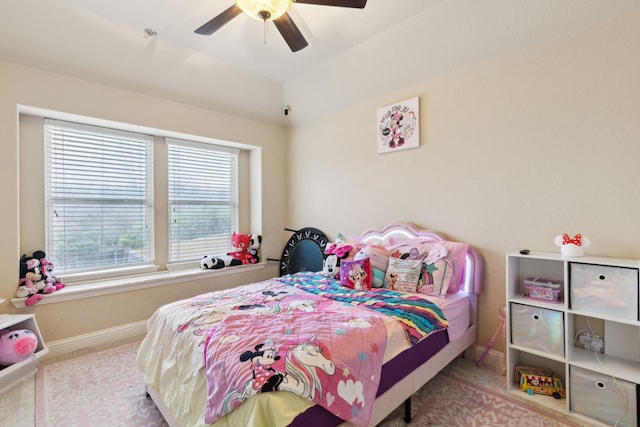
{"x": 392, "y": 371}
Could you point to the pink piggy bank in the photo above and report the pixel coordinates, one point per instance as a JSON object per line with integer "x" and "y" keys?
{"x": 16, "y": 345}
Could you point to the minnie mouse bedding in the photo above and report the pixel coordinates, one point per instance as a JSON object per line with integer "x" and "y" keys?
{"x": 295, "y": 334}
{"x": 187, "y": 338}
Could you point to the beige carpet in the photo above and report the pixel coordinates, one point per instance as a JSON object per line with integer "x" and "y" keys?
{"x": 104, "y": 388}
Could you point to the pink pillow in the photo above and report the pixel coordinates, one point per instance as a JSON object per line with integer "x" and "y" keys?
{"x": 356, "y": 274}
{"x": 379, "y": 258}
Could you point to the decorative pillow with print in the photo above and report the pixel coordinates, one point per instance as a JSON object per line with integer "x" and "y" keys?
{"x": 403, "y": 274}
{"x": 356, "y": 274}
{"x": 334, "y": 254}
{"x": 379, "y": 258}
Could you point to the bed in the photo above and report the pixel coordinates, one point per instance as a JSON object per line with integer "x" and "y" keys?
{"x": 191, "y": 344}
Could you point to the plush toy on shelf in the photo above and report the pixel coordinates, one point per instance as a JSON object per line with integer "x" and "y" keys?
{"x": 46, "y": 268}
{"x": 16, "y": 345}
{"x": 29, "y": 278}
{"x": 36, "y": 278}
{"x": 254, "y": 246}
{"x": 244, "y": 251}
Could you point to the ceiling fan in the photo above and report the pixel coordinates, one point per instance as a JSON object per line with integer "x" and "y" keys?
{"x": 276, "y": 11}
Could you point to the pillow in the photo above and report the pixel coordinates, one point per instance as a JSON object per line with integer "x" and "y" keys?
{"x": 356, "y": 274}
{"x": 379, "y": 258}
{"x": 334, "y": 254}
{"x": 445, "y": 262}
{"x": 403, "y": 274}
{"x": 435, "y": 278}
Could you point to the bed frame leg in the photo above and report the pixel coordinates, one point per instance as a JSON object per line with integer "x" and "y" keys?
{"x": 407, "y": 410}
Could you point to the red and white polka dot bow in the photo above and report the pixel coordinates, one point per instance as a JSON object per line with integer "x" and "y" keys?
{"x": 577, "y": 239}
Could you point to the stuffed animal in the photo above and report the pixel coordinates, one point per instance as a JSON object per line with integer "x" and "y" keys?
{"x": 26, "y": 289}
{"x": 572, "y": 246}
{"x": 240, "y": 247}
{"x": 254, "y": 246}
{"x": 30, "y": 280}
{"x": 16, "y": 345}
{"x": 46, "y": 269}
{"x": 245, "y": 251}
{"x": 334, "y": 253}
{"x": 36, "y": 278}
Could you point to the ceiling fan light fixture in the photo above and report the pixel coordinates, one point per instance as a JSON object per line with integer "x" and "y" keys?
{"x": 264, "y": 10}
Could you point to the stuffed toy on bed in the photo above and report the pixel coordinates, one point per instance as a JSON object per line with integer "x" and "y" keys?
{"x": 16, "y": 345}
{"x": 245, "y": 251}
{"x": 334, "y": 254}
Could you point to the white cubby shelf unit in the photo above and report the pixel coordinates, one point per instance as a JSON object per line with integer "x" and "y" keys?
{"x": 598, "y": 303}
{"x": 11, "y": 374}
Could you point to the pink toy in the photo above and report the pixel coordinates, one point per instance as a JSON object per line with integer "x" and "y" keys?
{"x": 16, "y": 345}
{"x": 502, "y": 315}
{"x": 245, "y": 251}
{"x": 36, "y": 278}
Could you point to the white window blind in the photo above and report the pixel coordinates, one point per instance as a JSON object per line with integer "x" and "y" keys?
{"x": 203, "y": 199}
{"x": 99, "y": 191}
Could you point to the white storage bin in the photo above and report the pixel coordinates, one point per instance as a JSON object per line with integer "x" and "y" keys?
{"x": 603, "y": 398}
{"x": 537, "y": 328}
{"x": 609, "y": 291}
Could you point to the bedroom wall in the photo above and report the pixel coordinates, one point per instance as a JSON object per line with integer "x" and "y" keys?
{"x": 35, "y": 88}
{"x": 514, "y": 151}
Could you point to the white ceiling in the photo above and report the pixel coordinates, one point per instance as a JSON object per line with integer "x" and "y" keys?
{"x": 105, "y": 41}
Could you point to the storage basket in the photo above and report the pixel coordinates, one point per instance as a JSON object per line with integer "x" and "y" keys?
{"x": 604, "y": 290}
{"x": 537, "y": 328}
{"x": 609, "y": 400}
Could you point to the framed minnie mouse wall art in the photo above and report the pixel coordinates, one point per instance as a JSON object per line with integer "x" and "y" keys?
{"x": 399, "y": 126}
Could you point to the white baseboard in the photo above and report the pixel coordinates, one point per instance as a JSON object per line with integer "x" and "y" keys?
{"x": 493, "y": 359}
{"x": 96, "y": 339}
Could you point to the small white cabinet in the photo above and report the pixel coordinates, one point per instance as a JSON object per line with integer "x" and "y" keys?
{"x": 11, "y": 374}
{"x": 589, "y": 338}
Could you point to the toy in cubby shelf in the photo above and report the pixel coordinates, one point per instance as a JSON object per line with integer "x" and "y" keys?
{"x": 16, "y": 345}
{"x": 572, "y": 246}
{"x": 36, "y": 278}
{"x": 542, "y": 289}
{"x": 537, "y": 381}
{"x": 244, "y": 251}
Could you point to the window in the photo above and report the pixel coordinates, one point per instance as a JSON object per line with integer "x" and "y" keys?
{"x": 99, "y": 191}
{"x": 203, "y": 199}
{"x": 102, "y": 195}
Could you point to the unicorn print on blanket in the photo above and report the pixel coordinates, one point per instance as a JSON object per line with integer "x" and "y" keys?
{"x": 299, "y": 374}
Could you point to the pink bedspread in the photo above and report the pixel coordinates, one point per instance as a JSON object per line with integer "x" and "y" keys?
{"x": 283, "y": 338}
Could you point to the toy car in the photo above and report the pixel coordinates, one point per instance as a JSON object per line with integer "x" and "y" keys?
{"x": 542, "y": 384}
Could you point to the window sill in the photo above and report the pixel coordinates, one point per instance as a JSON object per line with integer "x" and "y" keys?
{"x": 135, "y": 283}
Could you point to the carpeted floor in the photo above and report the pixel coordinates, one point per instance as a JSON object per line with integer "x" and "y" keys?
{"x": 104, "y": 388}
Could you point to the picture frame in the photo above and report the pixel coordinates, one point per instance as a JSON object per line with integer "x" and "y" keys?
{"x": 398, "y": 126}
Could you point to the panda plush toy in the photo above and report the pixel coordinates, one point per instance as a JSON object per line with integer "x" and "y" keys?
{"x": 245, "y": 251}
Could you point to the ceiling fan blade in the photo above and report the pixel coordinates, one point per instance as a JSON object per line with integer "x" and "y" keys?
{"x": 290, "y": 33}
{"x": 219, "y": 21}
{"x": 359, "y": 4}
